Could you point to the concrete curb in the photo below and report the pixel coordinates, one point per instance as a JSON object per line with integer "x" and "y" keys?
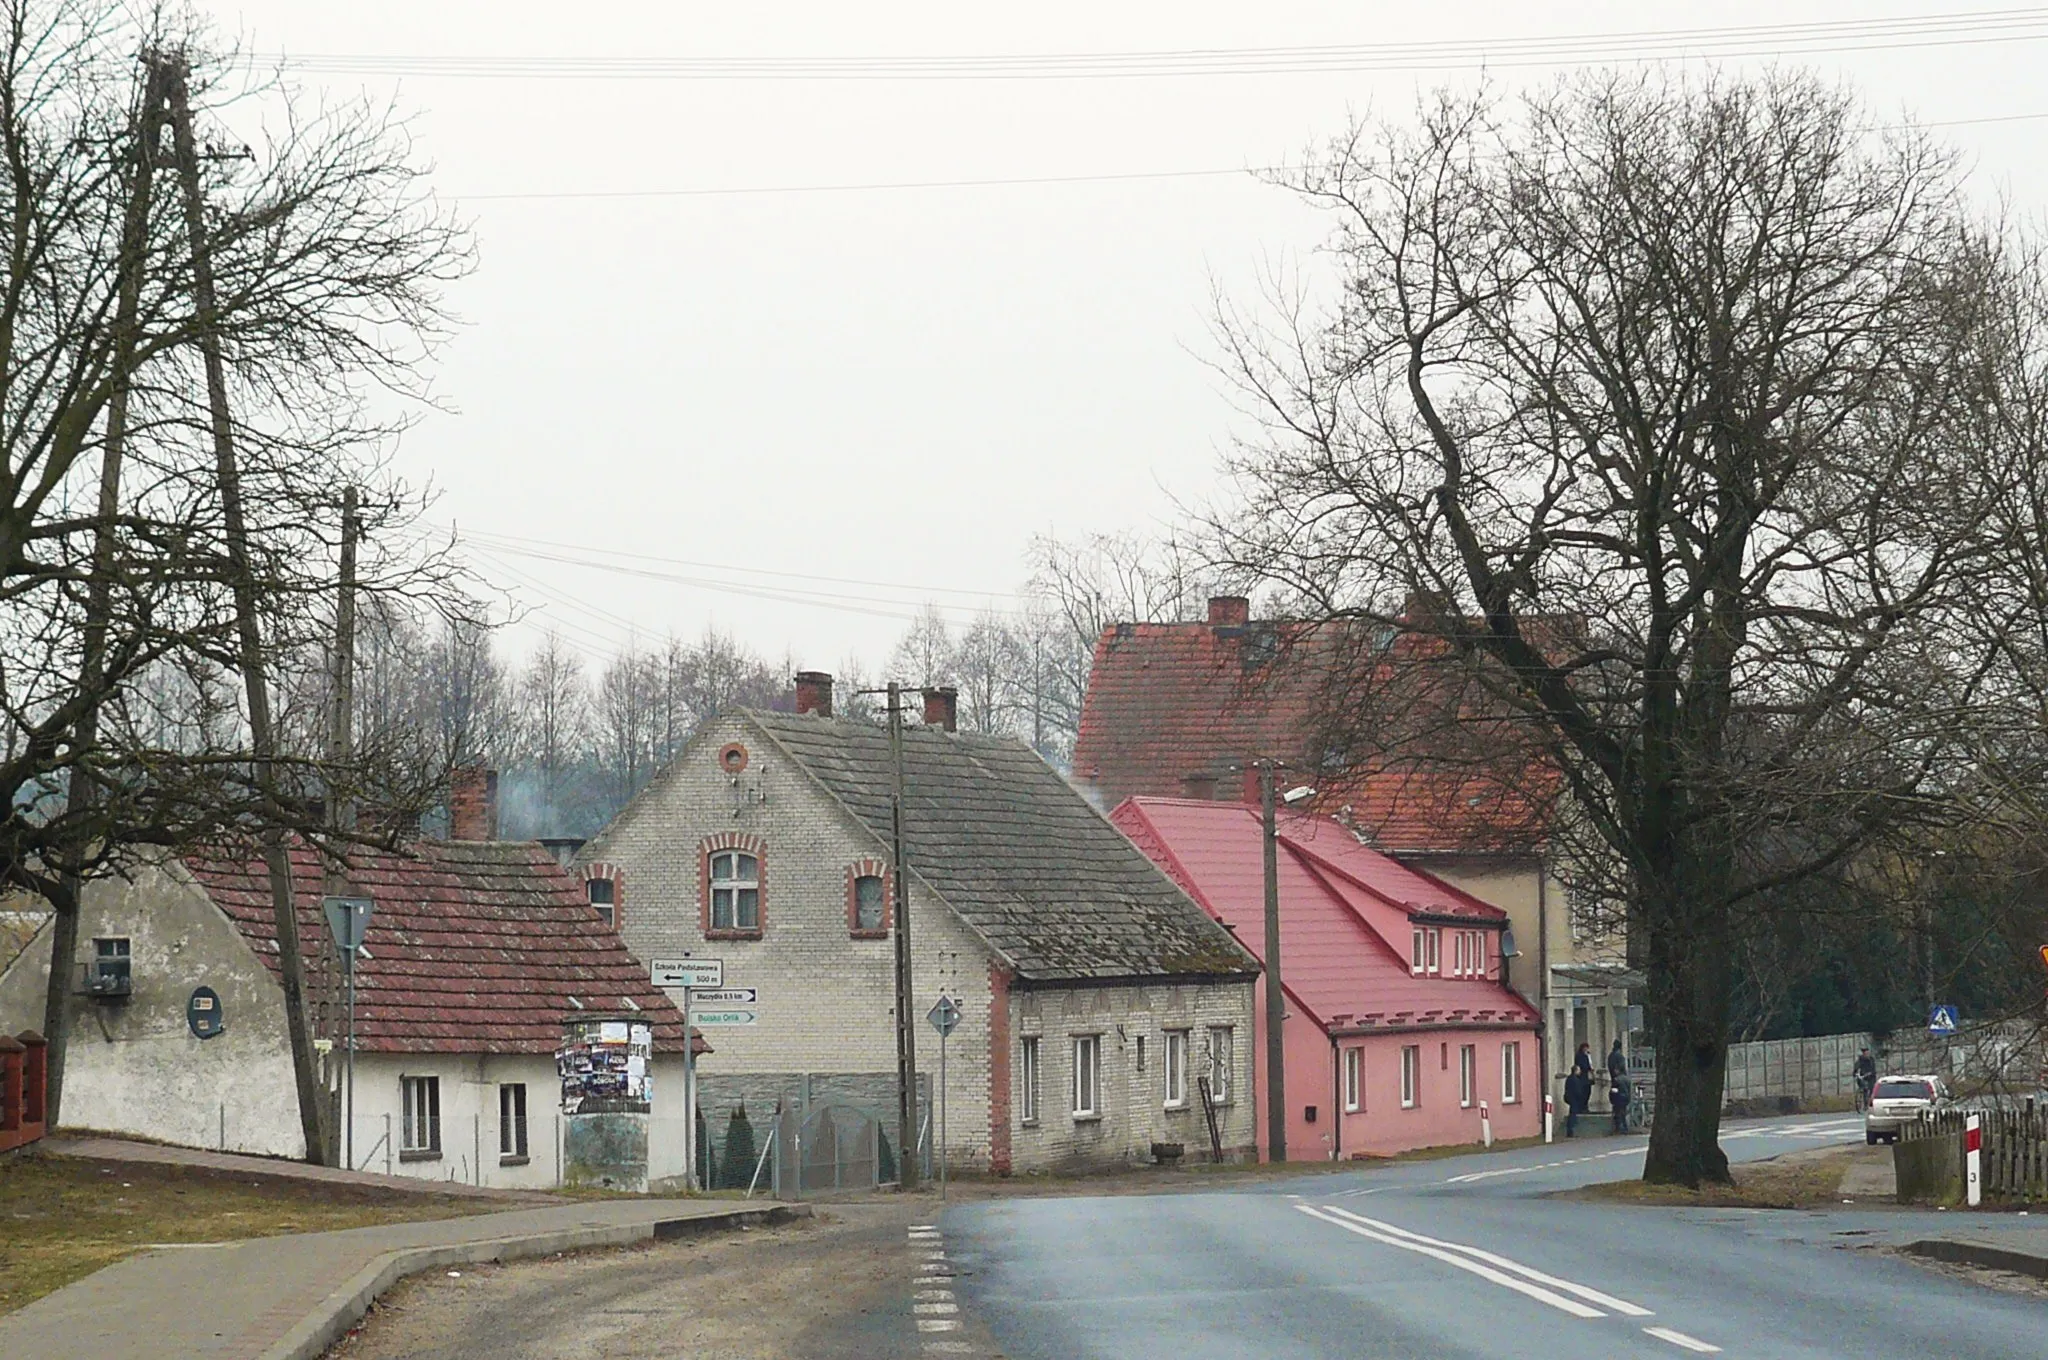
{"x": 1982, "y": 1254}
{"x": 310, "y": 1337}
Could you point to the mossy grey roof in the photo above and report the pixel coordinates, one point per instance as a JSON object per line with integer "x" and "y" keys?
{"x": 1017, "y": 853}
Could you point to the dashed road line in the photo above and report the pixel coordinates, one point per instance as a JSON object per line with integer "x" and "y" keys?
{"x": 1691, "y": 1343}
{"x": 933, "y": 1308}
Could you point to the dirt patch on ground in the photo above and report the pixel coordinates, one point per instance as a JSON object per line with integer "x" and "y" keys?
{"x": 1798, "y": 1180}
{"x": 833, "y": 1287}
{"x": 61, "y": 1218}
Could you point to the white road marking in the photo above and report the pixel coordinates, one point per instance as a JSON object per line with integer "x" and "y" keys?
{"x": 1593, "y": 1296}
{"x": 928, "y": 1324}
{"x": 1472, "y": 1176}
{"x": 939, "y": 1255}
{"x": 930, "y": 1309}
{"x": 929, "y": 1295}
{"x": 948, "y": 1348}
{"x": 1485, "y": 1272}
{"x": 1691, "y": 1343}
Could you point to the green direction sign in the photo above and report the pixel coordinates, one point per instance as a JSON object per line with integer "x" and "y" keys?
{"x": 713, "y": 1019}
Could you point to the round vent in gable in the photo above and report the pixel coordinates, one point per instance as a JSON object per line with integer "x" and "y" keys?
{"x": 732, "y": 757}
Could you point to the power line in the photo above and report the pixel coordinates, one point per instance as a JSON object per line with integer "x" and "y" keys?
{"x": 1852, "y": 35}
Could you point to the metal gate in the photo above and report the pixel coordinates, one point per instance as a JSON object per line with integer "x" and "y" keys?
{"x": 836, "y": 1147}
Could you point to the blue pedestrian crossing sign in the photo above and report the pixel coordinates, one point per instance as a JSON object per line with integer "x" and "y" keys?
{"x": 1942, "y": 1020}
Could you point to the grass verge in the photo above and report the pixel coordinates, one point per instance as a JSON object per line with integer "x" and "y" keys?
{"x": 1797, "y": 1181}
{"x": 61, "y": 1218}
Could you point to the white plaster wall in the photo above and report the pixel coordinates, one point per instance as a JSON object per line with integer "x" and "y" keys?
{"x": 135, "y": 1067}
{"x": 1134, "y": 1116}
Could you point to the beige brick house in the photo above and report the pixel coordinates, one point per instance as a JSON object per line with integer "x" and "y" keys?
{"x": 1078, "y": 965}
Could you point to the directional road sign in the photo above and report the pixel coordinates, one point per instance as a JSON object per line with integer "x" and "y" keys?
{"x": 348, "y": 918}
{"x": 721, "y": 998}
{"x": 944, "y": 1014}
{"x": 1943, "y": 1020}
{"x": 714, "y": 1019}
{"x": 691, "y": 973}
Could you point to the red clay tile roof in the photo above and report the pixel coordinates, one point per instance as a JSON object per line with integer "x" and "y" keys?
{"x": 474, "y": 946}
{"x": 1167, "y": 701}
{"x": 1345, "y": 913}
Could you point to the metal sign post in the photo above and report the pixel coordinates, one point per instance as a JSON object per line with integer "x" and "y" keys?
{"x": 348, "y": 921}
{"x": 689, "y": 974}
{"x": 944, "y": 1015}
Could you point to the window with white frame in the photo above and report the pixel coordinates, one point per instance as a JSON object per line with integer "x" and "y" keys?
{"x": 1027, "y": 1079}
{"x": 512, "y": 1117}
{"x": 419, "y": 1125}
{"x": 735, "y": 890}
{"x": 1411, "y": 1076}
{"x": 1176, "y": 1069}
{"x": 1418, "y": 950}
{"x": 1354, "y": 1079}
{"x": 1222, "y": 1061}
{"x": 603, "y": 895}
{"x": 1088, "y": 1076}
{"x": 1458, "y": 954}
{"x": 1468, "y": 1062}
{"x": 1510, "y": 1073}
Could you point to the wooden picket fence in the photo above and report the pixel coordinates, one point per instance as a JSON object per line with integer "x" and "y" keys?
{"x": 2015, "y": 1156}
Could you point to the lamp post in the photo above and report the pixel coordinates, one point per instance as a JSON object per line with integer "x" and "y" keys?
{"x": 1276, "y": 1000}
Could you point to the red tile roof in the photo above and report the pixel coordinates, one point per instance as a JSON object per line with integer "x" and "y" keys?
{"x": 1345, "y": 913}
{"x": 1167, "y": 701}
{"x": 473, "y": 947}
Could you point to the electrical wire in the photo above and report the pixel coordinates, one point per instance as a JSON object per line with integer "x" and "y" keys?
{"x": 1851, "y": 35}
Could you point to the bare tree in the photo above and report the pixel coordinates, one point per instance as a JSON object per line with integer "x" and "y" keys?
{"x": 1649, "y": 406}
{"x": 554, "y": 702}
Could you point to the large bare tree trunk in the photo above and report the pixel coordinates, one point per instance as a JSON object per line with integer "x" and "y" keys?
{"x": 1688, "y": 986}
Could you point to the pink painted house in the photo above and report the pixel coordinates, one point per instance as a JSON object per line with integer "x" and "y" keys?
{"x": 1399, "y": 1027}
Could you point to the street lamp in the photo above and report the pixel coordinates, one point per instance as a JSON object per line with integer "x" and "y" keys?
{"x": 1276, "y": 1004}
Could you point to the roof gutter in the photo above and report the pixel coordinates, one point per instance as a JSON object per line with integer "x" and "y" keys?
{"x": 1429, "y": 1027}
{"x": 1053, "y": 984}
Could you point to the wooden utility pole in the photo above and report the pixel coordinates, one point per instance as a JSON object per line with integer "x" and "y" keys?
{"x": 906, "y": 1027}
{"x": 81, "y": 793}
{"x": 262, "y": 744}
{"x": 1276, "y": 1000}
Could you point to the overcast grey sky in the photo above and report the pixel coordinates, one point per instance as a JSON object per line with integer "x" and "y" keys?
{"x": 904, "y": 385}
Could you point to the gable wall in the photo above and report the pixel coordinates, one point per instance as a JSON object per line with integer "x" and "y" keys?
{"x": 826, "y": 999}
{"x": 134, "y": 1067}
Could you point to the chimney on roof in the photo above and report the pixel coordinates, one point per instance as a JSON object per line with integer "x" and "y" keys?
{"x": 1229, "y": 611}
{"x": 472, "y": 803}
{"x": 814, "y": 693}
{"x": 942, "y": 708}
{"x": 1201, "y": 784}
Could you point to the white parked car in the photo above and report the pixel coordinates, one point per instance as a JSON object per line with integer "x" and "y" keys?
{"x": 1900, "y": 1100}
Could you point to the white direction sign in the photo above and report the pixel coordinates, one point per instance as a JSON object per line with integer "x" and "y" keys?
{"x": 691, "y": 973}
{"x": 716, "y": 1019}
{"x": 717, "y": 998}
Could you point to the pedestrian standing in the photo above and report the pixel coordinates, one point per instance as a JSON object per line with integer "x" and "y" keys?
{"x": 1583, "y": 1060}
{"x": 1618, "y": 1092}
{"x": 1578, "y": 1093}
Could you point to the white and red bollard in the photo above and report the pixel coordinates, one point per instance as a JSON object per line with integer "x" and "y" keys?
{"x": 1549, "y": 1111}
{"x": 1973, "y": 1159}
{"x": 1485, "y": 1125}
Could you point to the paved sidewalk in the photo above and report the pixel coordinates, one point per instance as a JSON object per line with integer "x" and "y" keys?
{"x": 288, "y": 1298}
{"x": 1997, "y": 1242}
{"x": 123, "y": 1150}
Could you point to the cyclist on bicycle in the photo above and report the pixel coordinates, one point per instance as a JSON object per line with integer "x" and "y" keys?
{"x": 1866, "y": 1078}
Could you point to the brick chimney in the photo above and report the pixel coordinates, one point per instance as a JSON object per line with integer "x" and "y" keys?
{"x": 942, "y": 708}
{"x": 1229, "y": 611}
{"x": 814, "y": 693}
{"x": 472, "y": 803}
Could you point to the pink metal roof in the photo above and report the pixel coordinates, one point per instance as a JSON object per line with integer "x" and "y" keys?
{"x": 1345, "y": 912}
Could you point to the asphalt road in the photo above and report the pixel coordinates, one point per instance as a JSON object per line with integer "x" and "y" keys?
{"x": 1466, "y": 1257}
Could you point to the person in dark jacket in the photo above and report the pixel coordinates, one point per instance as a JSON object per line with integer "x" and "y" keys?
{"x": 1619, "y": 1091}
{"x": 1578, "y": 1092}
{"x": 1583, "y": 1060}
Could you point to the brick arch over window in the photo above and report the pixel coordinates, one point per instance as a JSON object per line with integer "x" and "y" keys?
{"x": 745, "y": 844}
{"x": 870, "y": 868}
{"x": 613, "y": 874}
